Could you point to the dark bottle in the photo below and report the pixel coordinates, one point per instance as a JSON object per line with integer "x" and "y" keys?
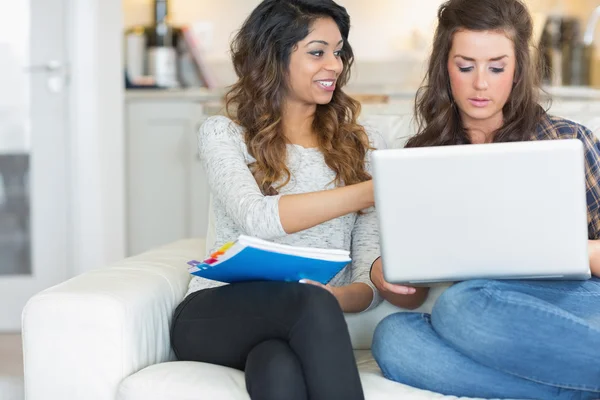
{"x": 162, "y": 33}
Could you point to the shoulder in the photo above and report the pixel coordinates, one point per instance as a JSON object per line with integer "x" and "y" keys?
{"x": 219, "y": 125}
{"x": 553, "y": 127}
{"x": 219, "y": 129}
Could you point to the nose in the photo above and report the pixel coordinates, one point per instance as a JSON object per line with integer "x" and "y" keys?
{"x": 480, "y": 81}
{"x": 334, "y": 64}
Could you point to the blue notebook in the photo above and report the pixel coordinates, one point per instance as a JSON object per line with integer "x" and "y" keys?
{"x": 252, "y": 259}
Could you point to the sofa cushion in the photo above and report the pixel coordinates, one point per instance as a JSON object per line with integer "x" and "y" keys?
{"x": 184, "y": 380}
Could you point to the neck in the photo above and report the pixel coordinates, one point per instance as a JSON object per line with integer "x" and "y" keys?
{"x": 297, "y": 123}
{"x": 482, "y": 131}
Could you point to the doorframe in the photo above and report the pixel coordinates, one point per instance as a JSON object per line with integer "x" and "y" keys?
{"x": 96, "y": 140}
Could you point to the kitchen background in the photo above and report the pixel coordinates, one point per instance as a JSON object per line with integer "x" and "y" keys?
{"x": 390, "y": 38}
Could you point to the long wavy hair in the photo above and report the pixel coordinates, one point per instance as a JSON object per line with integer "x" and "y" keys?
{"x": 261, "y": 53}
{"x": 438, "y": 119}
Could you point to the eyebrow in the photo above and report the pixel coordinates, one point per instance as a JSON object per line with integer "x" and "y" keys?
{"x": 472, "y": 59}
{"x": 323, "y": 42}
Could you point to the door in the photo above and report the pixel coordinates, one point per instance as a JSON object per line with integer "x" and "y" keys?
{"x": 33, "y": 153}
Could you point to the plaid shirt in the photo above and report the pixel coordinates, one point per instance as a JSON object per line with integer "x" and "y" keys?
{"x": 550, "y": 128}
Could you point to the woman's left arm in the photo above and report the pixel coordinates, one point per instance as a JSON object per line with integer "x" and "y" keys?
{"x": 355, "y": 297}
{"x": 361, "y": 294}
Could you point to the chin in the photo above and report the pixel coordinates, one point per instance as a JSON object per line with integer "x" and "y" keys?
{"x": 322, "y": 98}
{"x": 479, "y": 114}
{"x": 323, "y": 103}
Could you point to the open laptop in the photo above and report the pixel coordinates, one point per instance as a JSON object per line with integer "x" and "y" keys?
{"x": 500, "y": 211}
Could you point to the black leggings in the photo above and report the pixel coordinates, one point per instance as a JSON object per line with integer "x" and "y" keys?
{"x": 291, "y": 339}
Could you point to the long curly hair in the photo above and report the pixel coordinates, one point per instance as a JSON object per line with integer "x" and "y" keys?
{"x": 438, "y": 120}
{"x": 261, "y": 53}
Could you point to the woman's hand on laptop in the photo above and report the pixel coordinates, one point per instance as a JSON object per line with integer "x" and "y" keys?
{"x": 594, "y": 253}
{"x": 399, "y": 295}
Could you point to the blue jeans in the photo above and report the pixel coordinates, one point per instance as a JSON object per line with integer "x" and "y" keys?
{"x": 507, "y": 339}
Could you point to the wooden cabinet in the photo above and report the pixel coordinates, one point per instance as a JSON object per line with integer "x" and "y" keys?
{"x": 167, "y": 191}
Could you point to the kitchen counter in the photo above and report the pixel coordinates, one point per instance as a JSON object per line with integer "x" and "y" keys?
{"x": 193, "y": 94}
{"x": 390, "y": 93}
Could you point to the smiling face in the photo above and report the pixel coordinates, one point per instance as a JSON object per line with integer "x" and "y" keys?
{"x": 315, "y": 64}
{"x": 481, "y": 66}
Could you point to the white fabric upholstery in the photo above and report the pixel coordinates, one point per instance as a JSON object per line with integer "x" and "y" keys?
{"x": 180, "y": 380}
{"x": 82, "y": 337}
{"x": 396, "y": 129}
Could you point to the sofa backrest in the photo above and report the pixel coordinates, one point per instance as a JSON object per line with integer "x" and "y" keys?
{"x": 395, "y": 129}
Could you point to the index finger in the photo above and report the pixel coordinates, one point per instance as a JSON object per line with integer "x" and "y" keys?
{"x": 399, "y": 289}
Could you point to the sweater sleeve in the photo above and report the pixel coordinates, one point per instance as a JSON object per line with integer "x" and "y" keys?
{"x": 365, "y": 234}
{"x": 222, "y": 152}
{"x": 365, "y": 249}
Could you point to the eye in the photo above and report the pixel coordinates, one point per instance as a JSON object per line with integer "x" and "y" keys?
{"x": 497, "y": 70}
{"x": 317, "y": 53}
{"x": 338, "y": 53}
{"x": 465, "y": 69}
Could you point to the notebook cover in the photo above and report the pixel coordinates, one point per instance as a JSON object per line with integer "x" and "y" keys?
{"x": 252, "y": 264}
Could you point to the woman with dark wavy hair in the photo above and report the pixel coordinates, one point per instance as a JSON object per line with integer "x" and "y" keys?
{"x": 489, "y": 338}
{"x": 289, "y": 164}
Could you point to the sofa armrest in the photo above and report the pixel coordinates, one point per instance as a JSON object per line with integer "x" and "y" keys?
{"x": 82, "y": 337}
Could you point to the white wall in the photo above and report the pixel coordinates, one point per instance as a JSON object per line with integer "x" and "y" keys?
{"x": 96, "y": 130}
{"x": 381, "y": 29}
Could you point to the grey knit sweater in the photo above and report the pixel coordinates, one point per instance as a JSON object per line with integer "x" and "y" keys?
{"x": 240, "y": 208}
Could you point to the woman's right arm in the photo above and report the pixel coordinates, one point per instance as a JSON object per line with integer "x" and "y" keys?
{"x": 302, "y": 211}
{"x": 222, "y": 152}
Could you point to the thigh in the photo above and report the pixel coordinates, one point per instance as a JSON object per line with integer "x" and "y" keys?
{"x": 579, "y": 298}
{"x": 221, "y": 325}
{"x": 408, "y": 350}
{"x": 541, "y": 331}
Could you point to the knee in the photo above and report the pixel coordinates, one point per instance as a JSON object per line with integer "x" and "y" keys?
{"x": 385, "y": 338}
{"x": 465, "y": 311}
{"x": 461, "y": 297}
{"x": 395, "y": 343}
{"x": 317, "y": 304}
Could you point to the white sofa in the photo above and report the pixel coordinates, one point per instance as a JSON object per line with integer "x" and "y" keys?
{"x": 104, "y": 335}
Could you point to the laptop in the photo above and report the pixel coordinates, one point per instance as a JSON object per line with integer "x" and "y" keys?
{"x": 493, "y": 211}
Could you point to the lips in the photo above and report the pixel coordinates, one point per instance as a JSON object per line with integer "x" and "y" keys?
{"x": 326, "y": 84}
{"x": 479, "y": 102}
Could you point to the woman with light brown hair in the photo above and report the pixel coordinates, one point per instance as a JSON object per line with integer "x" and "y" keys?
{"x": 289, "y": 164}
{"x": 493, "y": 338}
